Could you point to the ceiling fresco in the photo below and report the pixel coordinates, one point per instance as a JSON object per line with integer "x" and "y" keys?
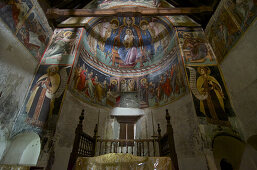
{"x": 128, "y": 44}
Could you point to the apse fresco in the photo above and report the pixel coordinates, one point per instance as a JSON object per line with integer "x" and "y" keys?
{"x": 44, "y": 99}
{"x": 194, "y": 46}
{"x": 63, "y": 46}
{"x": 27, "y": 23}
{"x": 151, "y": 90}
{"x": 209, "y": 94}
{"x": 128, "y": 43}
{"x": 115, "y": 3}
{"x": 228, "y": 23}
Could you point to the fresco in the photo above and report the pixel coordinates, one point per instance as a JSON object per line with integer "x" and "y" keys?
{"x": 119, "y": 3}
{"x": 228, "y": 23}
{"x": 209, "y": 94}
{"x": 63, "y": 46}
{"x": 194, "y": 46}
{"x": 28, "y": 23}
{"x": 33, "y": 35}
{"x": 13, "y": 12}
{"x": 155, "y": 89}
{"x": 42, "y": 104}
{"x": 128, "y": 42}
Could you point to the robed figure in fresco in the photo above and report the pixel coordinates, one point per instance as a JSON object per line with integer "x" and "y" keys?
{"x": 211, "y": 96}
{"x": 62, "y": 45}
{"x": 41, "y": 101}
{"x": 129, "y": 38}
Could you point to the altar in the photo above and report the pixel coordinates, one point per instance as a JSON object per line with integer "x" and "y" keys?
{"x": 123, "y": 161}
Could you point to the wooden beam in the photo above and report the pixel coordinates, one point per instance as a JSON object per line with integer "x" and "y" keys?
{"x": 133, "y": 11}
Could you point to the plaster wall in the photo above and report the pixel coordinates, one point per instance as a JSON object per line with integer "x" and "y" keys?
{"x": 17, "y": 67}
{"x": 239, "y": 69}
{"x": 24, "y": 149}
{"x": 67, "y": 123}
{"x": 187, "y": 137}
{"x": 188, "y": 142}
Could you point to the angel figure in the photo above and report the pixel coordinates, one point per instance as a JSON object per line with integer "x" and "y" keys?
{"x": 61, "y": 45}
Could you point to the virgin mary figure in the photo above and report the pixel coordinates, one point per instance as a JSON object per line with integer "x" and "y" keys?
{"x": 128, "y": 51}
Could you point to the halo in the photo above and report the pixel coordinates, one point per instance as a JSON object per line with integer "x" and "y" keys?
{"x": 129, "y": 30}
{"x": 133, "y": 20}
{"x": 143, "y": 80}
{"x": 116, "y": 21}
{"x": 53, "y": 66}
{"x": 116, "y": 82}
{"x": 206, "y": 69}
{"x": 142, "y": 22}
{"x": 67, "y": 33}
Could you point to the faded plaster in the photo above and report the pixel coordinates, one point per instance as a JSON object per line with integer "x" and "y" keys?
{"x": 17, "y": 67}
{"x": 239, "y": 69}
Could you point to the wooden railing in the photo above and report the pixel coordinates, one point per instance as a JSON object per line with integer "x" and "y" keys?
{"x": 86, "y": 146}
{"x": 139, "y": 147}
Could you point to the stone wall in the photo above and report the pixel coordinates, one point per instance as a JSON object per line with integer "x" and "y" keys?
{"x": 183, "y": 118}
{"x": 17, "y": 68}
{"x": 239, "y": 69}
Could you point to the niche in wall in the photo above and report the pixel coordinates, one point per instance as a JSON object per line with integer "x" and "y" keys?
{"x": 24, "y": 149}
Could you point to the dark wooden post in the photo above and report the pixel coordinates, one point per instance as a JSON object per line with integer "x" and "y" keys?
{"x": 173, "y": 154}
{"x": 95, "y": 140}
{"x": 74, "y": 152}
{"x": 159, "y": 139}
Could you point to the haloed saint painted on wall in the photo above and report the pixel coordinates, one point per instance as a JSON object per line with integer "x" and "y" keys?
{"x": 46, "y": 94}
{"x": 128, "y": 42}
{"x": 210, "y": 97}
{"x": 63, "y": 47}
{"x": 194, "y": 46}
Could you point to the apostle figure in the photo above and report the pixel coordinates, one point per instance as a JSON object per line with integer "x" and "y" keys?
{"x": 81, "y": 78}
{"x": 131, "y": 85}
{"x": 144, "y": 90}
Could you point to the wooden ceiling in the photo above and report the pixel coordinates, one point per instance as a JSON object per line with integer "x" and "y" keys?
{"x": 202, "y": 18}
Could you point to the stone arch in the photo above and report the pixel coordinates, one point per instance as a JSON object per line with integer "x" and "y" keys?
{"x": 24, "y": 149}
{"x": 228, "y": 148}
{"x": 253, "y": 141}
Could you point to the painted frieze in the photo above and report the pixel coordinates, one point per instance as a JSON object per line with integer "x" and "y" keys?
{"x": 150, "y": 90}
